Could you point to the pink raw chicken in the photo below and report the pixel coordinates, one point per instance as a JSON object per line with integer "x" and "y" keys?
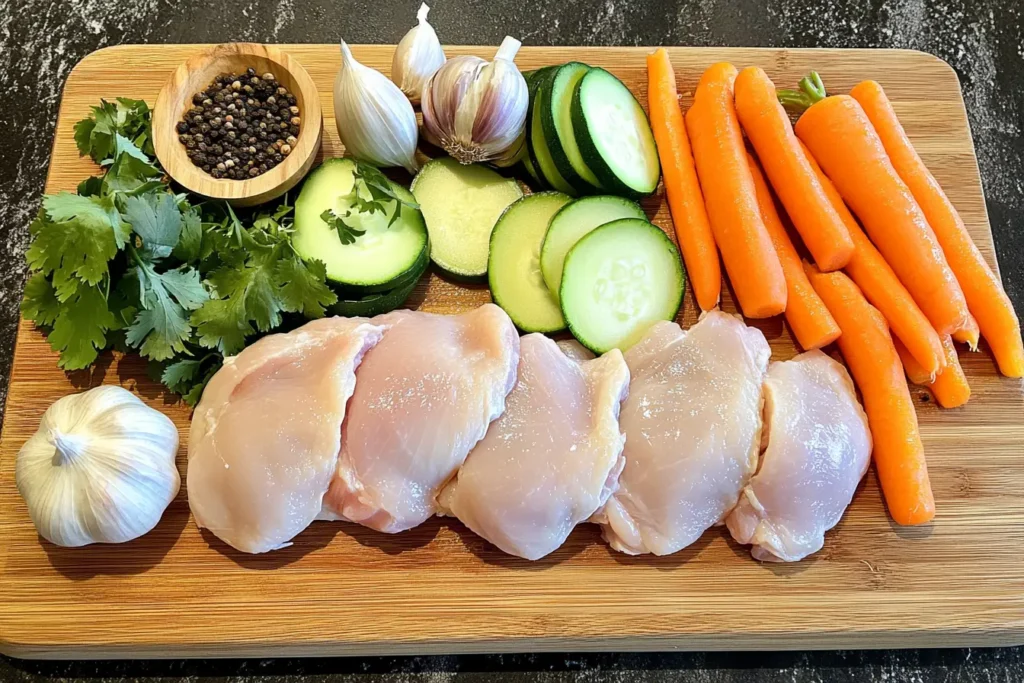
{"x": 264, "y": 440}
{"x": 818, "y": 450}
{"x": 425, "y": 395}
{"x": 693, "y": 426}
{"x": 552, "y": 459}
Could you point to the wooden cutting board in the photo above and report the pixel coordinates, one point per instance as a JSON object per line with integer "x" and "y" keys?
{"x": 342, "y": 589}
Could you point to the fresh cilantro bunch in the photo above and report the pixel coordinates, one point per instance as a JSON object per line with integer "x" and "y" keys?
{"x": 125, "y": 262}
{"x": 371, "y": 192}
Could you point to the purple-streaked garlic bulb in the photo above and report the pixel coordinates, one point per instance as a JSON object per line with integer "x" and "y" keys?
{"x": 476, "y": 110}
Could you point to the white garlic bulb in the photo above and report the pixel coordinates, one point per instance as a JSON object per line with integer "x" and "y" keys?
{"x": 375, "y": 120}
{"x": 100, "y": 469}
{"x": 417, "y": 57}
{"x": 476, "y": 110}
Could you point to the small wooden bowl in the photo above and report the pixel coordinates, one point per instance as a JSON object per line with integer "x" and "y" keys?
{"x": 195, "y": 75}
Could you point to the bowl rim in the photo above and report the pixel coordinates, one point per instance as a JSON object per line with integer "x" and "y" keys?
{"x": 171, "y": 154}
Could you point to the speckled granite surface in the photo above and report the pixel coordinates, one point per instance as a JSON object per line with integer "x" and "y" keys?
{"x": 41, "y": 40}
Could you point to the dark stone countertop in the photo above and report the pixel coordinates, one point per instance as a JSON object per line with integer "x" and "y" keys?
{"x": 41, "y": 40}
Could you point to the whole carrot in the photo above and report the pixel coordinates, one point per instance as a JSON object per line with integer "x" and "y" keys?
{"x": 839, "y": 135}
{"x": 969, "y": 333}
{"x": 949, "y": 387}
{"x": 682, "y": 188}
{"x": 768, "y": 128}
{"x": 812, "y": 324}
{"x": 868, "y": 351}
{"x": 721, "y": 159}
{"x": 986, "y": 299}
{"x": 882, "y": 288}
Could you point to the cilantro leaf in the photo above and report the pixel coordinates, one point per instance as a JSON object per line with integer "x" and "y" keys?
{"x": 157, "y": 222}
{"x": 347, "y": 234}
{"x": 185, "y": 286}
{"x": 160, "y": 329}
{"x": 190, "y": 243}
{"x": 96, "y": 135}
{"x": 223, "y": 324}
{"x": 303, "y": 287}
{"x": 73, "y": 251}
{"x": 130, "y": 175}
{"x": 65, "y": 206}
{"x": 181, "y": 374}
{"x": 79, "y": 330}
{"x": 93, "y": 185}
{"x": 40, "y": 304}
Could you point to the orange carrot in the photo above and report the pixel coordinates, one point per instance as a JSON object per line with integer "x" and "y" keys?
{"x": 868, "y": 351}
{"x": 969, "y": 333}
{"x": 750, "y": 260}
{"x": 883, "y": 289}
{"x": 839, "y": 135}
{"x": 949, "y": 387}
{"x": 806, "y": 314}
{"x": 986, "y": 299}
{"x": 768, "y": 128}
{"x": 685, "y": 200}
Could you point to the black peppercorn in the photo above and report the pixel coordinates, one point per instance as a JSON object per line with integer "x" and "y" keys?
{"x": 240, "y": 126}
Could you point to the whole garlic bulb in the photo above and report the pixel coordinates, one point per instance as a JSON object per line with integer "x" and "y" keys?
{"x": 417, "y": 57}
{"x": 375, "y": 120}
{"x": 100, "y": 469}
{"x": 475, "y": 110}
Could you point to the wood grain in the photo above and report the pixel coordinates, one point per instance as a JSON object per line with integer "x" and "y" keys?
{"x": 341, "y": 589}
{"x": 194, "y": 75}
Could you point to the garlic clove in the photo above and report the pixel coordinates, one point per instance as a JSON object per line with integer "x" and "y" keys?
{"x": 417, "y": 57}
{"x": 375, "y": 120}
{"x": 475, "y": 110}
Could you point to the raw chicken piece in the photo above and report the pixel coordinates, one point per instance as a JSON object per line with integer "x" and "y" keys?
{"x": 425, "y": 396}
{"x": 264, "y": 440}
{"x": 818, "y": 450}
{"x": 552, "y": 459}
{"x": 693, "y": 426}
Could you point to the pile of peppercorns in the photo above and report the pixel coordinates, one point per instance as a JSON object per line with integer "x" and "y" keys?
{"x": 241, "y": 126}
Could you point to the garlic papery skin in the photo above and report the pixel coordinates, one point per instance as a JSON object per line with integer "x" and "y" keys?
{"x": 100, "y": 469}
{"x": 417, "y": 57}
{"x": 475, "y": 110}
{"x": 375, "y": 120}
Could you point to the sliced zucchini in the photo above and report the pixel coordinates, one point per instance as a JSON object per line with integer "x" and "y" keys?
{"x": 513, "y": 271}
{"x": 556, "y": 122}
{"x": 382, "y": 257}
{"x": 617, "y": 281}
{"x": 614, "y": 135}
{"x": 571, "y": 223}
{"x": 531, "y": 170}
{"x": 461, "y": 205}
{"x": 374, "y": 304}
{"x": 541, "y": 154}
{"x": 533, "y": 79}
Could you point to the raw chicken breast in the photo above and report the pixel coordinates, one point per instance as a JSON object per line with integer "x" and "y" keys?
{"x": 552, "y": 459}
{"x": 693, "y": 425}
{"x": 426, "y": 394}
{"x": 818, "y": 450}
{"x": 265, "y": 437}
